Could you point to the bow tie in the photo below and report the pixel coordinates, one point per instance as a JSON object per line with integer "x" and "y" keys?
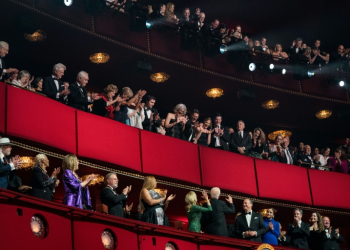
{"x": 248, "y": 213}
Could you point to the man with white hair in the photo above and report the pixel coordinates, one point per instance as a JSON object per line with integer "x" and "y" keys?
{"x": 6, "y": 163}
{"x": 78, "y": 97}
{"x": 4, "y": 50}
{"x": 214, "y": 222}
{"x": 53, "y": 86}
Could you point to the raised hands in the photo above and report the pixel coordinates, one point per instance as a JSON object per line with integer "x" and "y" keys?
{"x": 57, "y": 183}
{"x": 128, "y": 208}
{"x": 205, "y": 195}
{"x": 229, "y": 199}
{"x": 171, "y": 197}
{"x": 55, "y": 172}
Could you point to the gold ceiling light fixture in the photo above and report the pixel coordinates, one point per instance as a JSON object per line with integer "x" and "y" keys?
{"x": 263, "y": 212}
{"x": 99, "y": 58}
{"x": 159, "y": 77}
{"x": 27, "y": 162}
{"x": 284, "y": 133}
{"x": 215, "y": 92}
{"x": 323, "y": 114}
{"x": 37, "y": 36}
{"x": 271, "y": 104}
{"x": 97, "y": 180}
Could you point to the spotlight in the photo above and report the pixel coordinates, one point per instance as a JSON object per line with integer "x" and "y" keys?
{"x": 271, "y": 66}
{"x": 223, "y": 49}
{"x": 68, "y": 2}
{"x": 310, "y": 73}
{"x": 341, "y": 83}
{"x": 252, "y": 66}
{"x": 149, "y": 24}
{"x": 284, "y": 71}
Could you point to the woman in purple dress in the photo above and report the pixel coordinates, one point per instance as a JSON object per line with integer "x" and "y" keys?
{"x": 76, "y": 191}
{"x": 338, "y": 163}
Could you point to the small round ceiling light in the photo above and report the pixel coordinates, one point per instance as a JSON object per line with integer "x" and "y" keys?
{"x": 108, "y": 239}
{"x": 159, "y": 77}
{"x": 215, "y": 92}
{"x": 271, "y": 104}
{"x": 39, "y": 226}
{"x": 37, "y": 36}
{"x": 323, "y": 114}
{"x": 68, "y": 2}
{"x": 284, "y": 133}
{"x": 99, "y": 58}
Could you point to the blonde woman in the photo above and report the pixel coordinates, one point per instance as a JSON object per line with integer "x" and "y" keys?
{"x": 76, "y": 191}
{"x": 154, "y": 203}
{"x": 175, "y": 122}
{"x": 194, "y": 211}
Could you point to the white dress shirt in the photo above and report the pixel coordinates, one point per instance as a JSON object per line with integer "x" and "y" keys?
{"x": 57, "y": 87}
{"x": 217, "y": 138}
{"x": 2, "y": 160}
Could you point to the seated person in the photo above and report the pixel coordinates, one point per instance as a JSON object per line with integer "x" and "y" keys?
{"x": 257, "y": 46}
{"x": 159, "y": 13}
{"x": 37, "y": 85}
{"x": 278, "y": 53}
{"x": 23, "y": 79}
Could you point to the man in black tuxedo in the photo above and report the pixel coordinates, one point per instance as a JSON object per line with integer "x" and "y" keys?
{"x": 297, "y": 48}
{"x": 116, "y": 203}
{"x": 4, "y": 50}
{"x": 286, "y": 156}
{"x": 306, "y": 159}
{"x": 53, "y": 86}
{"x": 214, "y": 222}
{"x": 152, "y": 119}
{"x": 78, "y": 97}
{"x": 240, "y": 141}
{"x": 7, "y": 164}
{"x": 189, "y": 131}
{"x": 298, "y": 231}
{"x": 333, "y": 236}
{"x": 250, "y": 225}
{"x": 220, "y": 137}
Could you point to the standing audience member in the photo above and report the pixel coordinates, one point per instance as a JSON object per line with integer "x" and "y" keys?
{"x": 4, "y": 50}
{"x": 136, "y": 115}
{"x": 104, "y": 105}
{"x": 203, "y": 133}
{"x": 23, "y": 79}
{"x": 333, "y": 236}
{"x": 140, "y": 210}
{"x": 298, "y": 231}
{"x": 116, "y": 203}
{"x": 43, "y": 186}
{"x": 214, "y": 222}
{"x": 278, "y": 53}
{"x": 259, "y": 145}
{"x": 240, "y": 141}
{"x": 287, "y": 155}
{"x": 283, "y": 240}
{"x": 175, "y": 122}
{"x": 77, "y": 192}
{"x": 37, "y": 85}
{"x": 317, "y": 232}
{"x": 220, "y": 137}
{"x": 12, "y": 76}
{"x": 7, "y": 164}
{"x": 250, "y": 225}
{"x": 272, "y": 228}
{"x": 52, "y": 85}
{"x": 190, "y": 126}
{"x": 338, "y": 162}
{"x": 152, "y": 119}
{"x": 194, "y": 211}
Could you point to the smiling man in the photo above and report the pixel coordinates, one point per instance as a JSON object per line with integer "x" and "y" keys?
{"x": 4, "y": 50}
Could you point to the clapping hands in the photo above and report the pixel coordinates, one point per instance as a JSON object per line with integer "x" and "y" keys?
{"x": 55, "y": 172}
{"x": 205, "y": 195}
{"x": 17, "y": 162}
{"x": 229, "y": 199}
{"x": 171, "y": 197}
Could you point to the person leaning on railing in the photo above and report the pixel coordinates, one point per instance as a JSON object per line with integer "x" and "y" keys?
{"x": 104, "y": 105}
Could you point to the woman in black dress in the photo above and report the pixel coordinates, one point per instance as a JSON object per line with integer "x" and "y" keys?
{"x": 104, "y": 105}
{"x": 203, "y": 133}
{"x": 37, "y": 85}
{"x": 175, "y": 122}
{"x": 259, "y": 144}
{"x": 42, "y": 185}
{"x": 317, "y": 232}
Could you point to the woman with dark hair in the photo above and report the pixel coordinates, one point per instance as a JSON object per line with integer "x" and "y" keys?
{"x": 338, "y": 162}
{"x": 317, "y": 232}
{"x": 259, "y": 143}
{"x": 37, "y": 85}
{"x": 272, "y": 228}
{"x": 203, "y": 133}
{"x": 104, "y": 105}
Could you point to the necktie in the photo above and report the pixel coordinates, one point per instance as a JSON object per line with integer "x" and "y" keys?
{"x": 81, "y": 91}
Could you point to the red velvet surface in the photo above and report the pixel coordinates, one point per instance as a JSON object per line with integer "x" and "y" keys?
{"x": 2, "y": 106}
{"x": 228, "y": 171}
{"x": 107, "y": 140}
{"x": 170, "y": 157}
{"x": 334, "y": 186}
{"x": 87, "y": 235}
{"x": 208, "y": 247}
{"x": 147, "y": 243}
{"x": 16, "y": 233}
{"x": 282, "y": 181}
{"x": 37, "y": 118}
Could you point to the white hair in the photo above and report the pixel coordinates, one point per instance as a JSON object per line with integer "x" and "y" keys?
{"x": 180, "y": 106}
{"x": 215, "y": 192}
{"x": 58, "y": 67}
{"x": 82, "y": 74}
{"x": 39, "y": 158}
{"x": 22, "y": 73}
{"x": 4, "y": 44}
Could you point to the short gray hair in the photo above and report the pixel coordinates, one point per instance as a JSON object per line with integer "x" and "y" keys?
{"x": 298, "y": 209}
{"x": 215, "y": 192}
{"x": 22, "y": 73}
{"x": 241, "y": 122}
{"x": 58, "y": 67}
{"x": 39, "y": 158}
{"x": 82, "y": 74}
{"x": 109, "y": 176}
{"x": 4, "y": 44}
{"x": 180, "y": 106}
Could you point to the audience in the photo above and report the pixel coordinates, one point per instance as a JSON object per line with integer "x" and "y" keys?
{"x": 191, "y": 125}
{"x": 4, "y": 50}
{"x": 333, "y": 236}
{"x": 152, "y": 119}
{"x": 37, "y": 85}
{"x": 52, "y": 85}
{"x": 338, "y": 162}
{"x": 7, "y": 164}
{"x": 23, "y": 79}
{"x": 240, "y": 141}
{"x": 175, "y": 122}
{"x": 203, "y": 133}
{"x": 317, "y": 232}
{"x": 259, "y": 145}
{"x": 104, "y": 105}
{"x": 298, "y": 231}
{"x": 220, "y": 136}
{"x": 272, "y": 228}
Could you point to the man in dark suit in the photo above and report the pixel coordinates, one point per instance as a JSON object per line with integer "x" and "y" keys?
{"x": 210, "y": 31}
{"x": 297, "y": 48}
{"x": 298, "y": 231}
{"x": 240, "y": 141}
{"x": 152, "y": 119}
{"x": 53, "y": 86}
{"x": 250, "y": 225}
{"x": 78, "y": 97}
{"x": 220, "y": 137}
{"x": 189, "y": 131}
{"x": 333, "y": 236}
{"x": 214, "y": 222}
{"x": 286, "y": 156}
{"x": 4, "y": 50}
{"x": 6, "y": 163}
{"x": 116, "y": 203}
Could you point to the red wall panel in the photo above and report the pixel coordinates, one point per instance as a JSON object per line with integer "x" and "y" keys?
{"x": 282, "y": 181}
{"x": 107, "y": 140}
{"x": 15, "y": 231}
{"x": 87, "y": 235}
{"x": 37, "y": 118}
{"x": 2, "y": 106}
{"x": 158, "y": 243}
{"x": 334, "y": 186}
{"x": 209, "y": 247}
{"x": 170, "y": 157}
{"x": 236, "y": 171}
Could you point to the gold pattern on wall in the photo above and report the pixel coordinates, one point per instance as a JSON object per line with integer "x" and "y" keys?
{"x": 284, "y": 133}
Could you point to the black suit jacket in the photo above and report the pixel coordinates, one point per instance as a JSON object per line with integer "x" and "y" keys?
{"x": 283, "y": 157}
{"x": 50, "y": 88}
{"x": 189, "y": 130}
{"x": 224, "y": 139}
{"x": 5, "y": 170}
{"x": 214, "y": 222}
{"x": 115, "y": 203}
{"x": 2, "y": 67}
{"x": 146, "y": 124}
{"x": 40, "y": 187}
{"x": 284, "y": 243}
{"x": 236, "y": 141}
{"x": 256, "y": 224}
{"x": 299, "y": 235}
{"x": 333, "y": 243}
{"x": 14, "y": 181}
{"x": 78, "y": 98}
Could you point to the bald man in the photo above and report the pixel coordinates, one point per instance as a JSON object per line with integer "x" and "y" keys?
{"x": 333, "y": 236}
{"x": 215, "y": 222}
